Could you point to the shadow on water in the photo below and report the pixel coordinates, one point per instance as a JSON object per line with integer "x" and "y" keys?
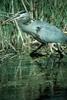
{"x": 24, "y": 78}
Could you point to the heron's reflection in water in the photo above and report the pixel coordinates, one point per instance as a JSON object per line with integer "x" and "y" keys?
{"x": 53, "y": 69}
{"x": 42, "y": 78}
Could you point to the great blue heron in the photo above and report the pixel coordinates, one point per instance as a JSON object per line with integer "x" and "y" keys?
{"x": 40, "y": 30}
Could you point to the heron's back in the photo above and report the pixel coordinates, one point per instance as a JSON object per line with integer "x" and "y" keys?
{"x": 43, "y": 31}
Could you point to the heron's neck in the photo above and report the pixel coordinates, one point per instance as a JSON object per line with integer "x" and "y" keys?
{"x": 26, "y": 27}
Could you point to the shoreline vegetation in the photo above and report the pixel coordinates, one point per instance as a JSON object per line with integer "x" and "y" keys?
{"x": 21, "y": 76}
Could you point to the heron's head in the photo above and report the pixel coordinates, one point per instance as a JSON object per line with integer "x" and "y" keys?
{"x": 21, "y": 16}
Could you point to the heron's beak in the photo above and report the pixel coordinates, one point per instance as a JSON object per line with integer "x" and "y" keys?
{"x": 9, "y": 20}
{"x": 20, "y": 15}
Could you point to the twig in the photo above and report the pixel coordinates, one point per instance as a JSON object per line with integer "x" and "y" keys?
{"x": 24, "y": 5}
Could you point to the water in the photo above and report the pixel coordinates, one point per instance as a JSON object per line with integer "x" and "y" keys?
{"x": 26, "y": 78}
{"x": 15, "y": 93}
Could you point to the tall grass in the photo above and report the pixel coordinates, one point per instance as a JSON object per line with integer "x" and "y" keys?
{"x": 54, "y": 11}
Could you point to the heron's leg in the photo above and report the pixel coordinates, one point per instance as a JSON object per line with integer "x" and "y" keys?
{"x": 34, "y": 52}
{"x": 51, "y": 47}
{"x": 61, "y": 50}
{"x": 37, "y": 48}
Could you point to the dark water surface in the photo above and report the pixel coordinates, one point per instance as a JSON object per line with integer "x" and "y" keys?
{"x": 24, "y": 78}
